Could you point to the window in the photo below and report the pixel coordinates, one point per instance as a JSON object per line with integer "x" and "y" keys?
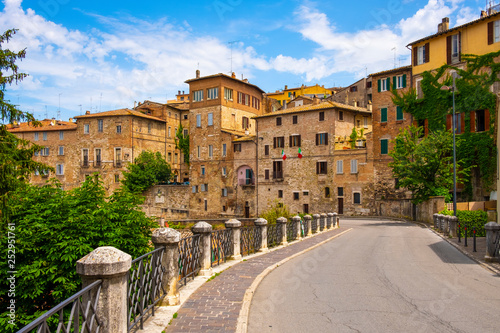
{"x": 185, "y": 132}
{"x": 237, "y": 147}
{"x": 118, "y": 129}
{"x": 61, "y": 135}
{"x": 185, "y": 117}
{"x": 228, "y": 94}
{"x": 384, "y": 147}
{"x": 60, "y": 150}
{"x": 36, "y": 136}
{"x": 494, "y": 32}
{"x": 321, "y": 139}
{"x": 45, "y": 151}
{"x": 421, "y": 54}
{"x": 59, "y": 169}
{"x": 117, "y": 178}
{"x": 295, "y": 120}
{"x": 100, "y": 126}
{"x": 296, "y": 195}
{"x": 321, "y": 116}
{"x": 44, "y": 136}
{"x": 356, "y": 198}
{"x": 418, "y": 88}
{"x": 399, "y": 81}
{"x": 245, "y": 123}
{"x": 266, "y": 174}
{"x": 321, "y": 168}
{"x": 118, "y": 157}
{"x": 198, "y": 120}
{"x": 306, "y": 209}
{"x": 149, "y": 128}
{"x": 480, "y": 120}
{"x": 204, "y": 187}
{"x": 212, "y": 93}
{"x": 169, "y": 157}
{"x": 399, "y": 113}
{"x": 176, "y": 156}
{"x": 277, "y": 169}
{"x": 198, "y": 96}
{"x": 86, "y": 129}
{"x": 210, "y": 151}
{"x": 295, "y": 140}
{"x": 266, "y": 150}
{"x": 224, "y": 192}
{"x": 280, "y": 193}
{"x": 255, "y": 103}
{"x": 202, "y": 171}
{"x": 279, "y": 142}
{"x": 365, "y": 122}
{"x": 98, "y": 157}
{"x": 169, "y": 132}
{"x": 327, "y": 192}
{"x": 340, "y": 191}
{"x": 453, "y": 48}
{"x": 224, "y": 171}
{"x": 383, "y": 84}
{"x": 278, "y": 121}
{"x": 340, "y": 167}
{"x": 210, "y": 121}
{"x": 85, "y": 157}
{"x": 194, "y": 189}
{"x": 383, "y": 115}
{"x": 354, "y": 89}
{"x": 37, "y": 172}
{"x": 354, "y": 166}
{"x": 368, "y": 84}
{"x": 243, "y": 98}
{"x": 341, "y": 115}
{"x": 199, "y": 151}
{"x": 224, "y": 149}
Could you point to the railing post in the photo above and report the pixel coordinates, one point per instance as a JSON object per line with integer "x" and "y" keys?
{"x": 308, "y": 221}
{"x": 492, "y": 230}
{"x": 235, "y": 225}
{"x": 111, "y": 266}
{"x": 435, "y": 218}
{"x": 329, "y": 224}
{"x": 296, "y": 221}
{"x": 453, "y": 226}
{"x": 441, "y": 222}
{"x": 336, "y": 220}
{"x": 316, "y": 220}
{"x": 281, "y": 221}
{"x": 446, "y": 220}
{"x": 322, "y": 222}
{"x": 168, "y": 239}
{"x": 262, "y": 224}
{"x": 204, "y": 229}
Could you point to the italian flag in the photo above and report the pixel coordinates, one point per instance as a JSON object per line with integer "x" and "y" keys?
{"x": 300, "y": 153}
{"x": 283, "y": 155}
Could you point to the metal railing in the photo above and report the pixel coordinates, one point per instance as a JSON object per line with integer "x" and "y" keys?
{"x": 305, "y": 227}
{"x": 329, "y": 222}
{"x": 189, "y": 258}
{"x": 145, "y": 288}
{"x": 273, "y": 235}
{"x": 251, "y": 239}
{"x": 291, "y": 231}
{"x": 314, "y": 225}
{"x": 221, "y": 246}
{"x": 81, "y": 318}
{"x": 321, "y": 223}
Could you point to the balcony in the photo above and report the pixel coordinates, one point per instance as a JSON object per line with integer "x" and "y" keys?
{"x": 246, "y": 182}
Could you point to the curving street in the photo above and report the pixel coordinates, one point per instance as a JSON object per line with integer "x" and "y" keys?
{"x": 383, "y": 276}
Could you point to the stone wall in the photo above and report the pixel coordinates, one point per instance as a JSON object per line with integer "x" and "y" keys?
{"x": 167, "y": 201}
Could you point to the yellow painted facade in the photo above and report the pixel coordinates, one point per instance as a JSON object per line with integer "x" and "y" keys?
{"x": 290, "y": 93}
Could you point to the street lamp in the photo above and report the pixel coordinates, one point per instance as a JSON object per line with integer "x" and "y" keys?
{"x": 453, "y": 119}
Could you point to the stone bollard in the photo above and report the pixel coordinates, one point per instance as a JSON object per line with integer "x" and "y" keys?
{"x": 281, "y": 221}
{"x": 111, "y": 266}
{"x": 329, "y": 221}
{"x": 308, "y": 221}
{"x": 336, "y": 220}
{"x": 453, "y": 221}
{"x": 316, "y": 218}
{"x": 168, "y": 239}
{"x": 296, "y": 220}
{"x": 435, "y": 218}
{"x": 446, "y": 220}
{"x": 235, "y": 225}
{"x": 322, "y": 221}
{"x": 492, "y": 230}
{"x": 262, "y": 224}
{"x": 441, "y": 222}
{"x": 204, "y": 229}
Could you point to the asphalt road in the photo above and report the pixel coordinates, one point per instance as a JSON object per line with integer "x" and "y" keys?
{"x": 382, "y": 276}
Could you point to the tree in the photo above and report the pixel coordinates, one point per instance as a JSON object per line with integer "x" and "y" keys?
{"x": 182, "y": 143}
{"x": 55, "y": 228}
{"x": 147, "y": 170}
{"x": 425, "y": 165}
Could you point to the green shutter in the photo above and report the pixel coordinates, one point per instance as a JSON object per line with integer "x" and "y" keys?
{"x": 379, "y": 85}
{"x": 394, "y": 82}
{"x": 399, "y": 113}
{"x": 404, "y": 80}
{"x": 383, "y": 115}
{"x": 388, "y": 83}
{"x": 384, "y": 149}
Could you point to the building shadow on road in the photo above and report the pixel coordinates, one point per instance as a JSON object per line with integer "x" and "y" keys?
{"x": 449, "y": 255}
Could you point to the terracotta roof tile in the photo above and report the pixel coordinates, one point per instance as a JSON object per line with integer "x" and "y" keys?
{"x": 46, "y": 126}
{"x": 119, "y": 112}
{"x": 315, "y": 107}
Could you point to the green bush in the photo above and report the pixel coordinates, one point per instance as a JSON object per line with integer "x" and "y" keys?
{"x": 277, "y": 209}
{"x": 471, "y": 218}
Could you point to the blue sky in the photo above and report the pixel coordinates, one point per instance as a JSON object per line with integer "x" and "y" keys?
{"x": 102, "y": 55}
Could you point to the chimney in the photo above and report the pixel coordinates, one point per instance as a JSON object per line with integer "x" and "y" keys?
{"x": 483, "y": 13}
{"x": 178, "y": 92}
{"x": 444, "y": 25}
{"x": 183, "y": 92}
{"x": 286, "y": 87}
{"x": 245, "y": 80}
{"x": 135, "y": 104}
{"x": 197, "y": 73}
{"x": 233, "y": 75}
{"x": 87, "y": 112}
{"x": 316, "y": 100}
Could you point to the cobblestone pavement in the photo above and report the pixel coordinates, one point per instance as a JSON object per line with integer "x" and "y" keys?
{"x": 216, "y": 305}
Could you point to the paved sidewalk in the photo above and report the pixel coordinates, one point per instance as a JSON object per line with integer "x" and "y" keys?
{"x": 216, "y": 306}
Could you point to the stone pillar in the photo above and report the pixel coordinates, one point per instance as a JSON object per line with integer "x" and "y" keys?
{"x": 281, "y": 221}
{"x": 440, "y": 224}
{"x": 322, "y": 223}
{"x": 262, "y": 224}
{"x": 453, "y": 226}
{"x": 236, "y": 226}
{"x": 336, "y": 220}
{"x": 308, "y": 221}
{"x": 330, "y": 223}
{"x": 316, "y": 220}
{"x": 168, "y": 239}
{"x": 296, "y": 220}
{"x": 492, "y": 230}
{"x": 111, "y": 266}
{"x": 446, "y": 220}
{"x": 435, "y": 217}
{"x": 204, "y": 229}
{"x": 162, "y": 222}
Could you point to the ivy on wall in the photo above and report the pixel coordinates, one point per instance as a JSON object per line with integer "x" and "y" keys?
{"x": 476, "y": 149}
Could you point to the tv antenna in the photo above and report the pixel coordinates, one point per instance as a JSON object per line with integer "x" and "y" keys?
{"x": 394, "y": 49}
{"x": 231, "y": 47}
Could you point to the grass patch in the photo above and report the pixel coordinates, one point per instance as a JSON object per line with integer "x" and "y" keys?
{"x": 213, "y": 277}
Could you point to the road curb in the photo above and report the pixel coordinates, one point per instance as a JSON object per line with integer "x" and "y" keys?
{"x": 242, "y": 323}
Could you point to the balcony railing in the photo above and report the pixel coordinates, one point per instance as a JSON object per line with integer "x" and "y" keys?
{"x": 118, "y": 164}
{"x": 246, "y": 181}
{"x": 85, "y": 163}
{"x": 97, "y": 163}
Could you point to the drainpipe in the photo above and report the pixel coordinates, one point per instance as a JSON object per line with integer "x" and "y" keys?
{"x": 257, "y": 167}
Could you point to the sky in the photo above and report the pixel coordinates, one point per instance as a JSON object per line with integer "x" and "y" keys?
{"x": 104, "y": 55}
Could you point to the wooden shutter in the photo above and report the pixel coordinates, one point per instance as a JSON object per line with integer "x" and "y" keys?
{"x": 326, "y": 138}
{"x": 404, "y": 80}
{"x": 317, "y": 139}
{"x": 388, "y": 83}
{"x": 462, "y": 122}
{"x": 486, "y": 120}
{"x": 448, "y": 122}
{"x": 299, "y": 140}
{"x": 448, "y": 49}
{"x": 490, "y": 32}
{"x": 427, "y": 52}
{"x": 415, "y": 56}
{"x": 472, "y": 121}
{"x": 317, "y": 167}
{"x": 426, "y": 127}
{"x": 378, "y": 85}
{"x": 459, "y": 46}
{"x": 394, "y": 82}
{"x": 291, "y": 143}
{"x": 266, "y": 173}
{"x": 274, "y": 140}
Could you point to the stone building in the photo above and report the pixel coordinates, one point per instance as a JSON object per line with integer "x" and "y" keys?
{"x": 286, "y": 95}
{"x": 322, "y": 170}
{"x": 221, "y": 111}
{"x": 357, "y": 94}
{"x": 388, "y": 121}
